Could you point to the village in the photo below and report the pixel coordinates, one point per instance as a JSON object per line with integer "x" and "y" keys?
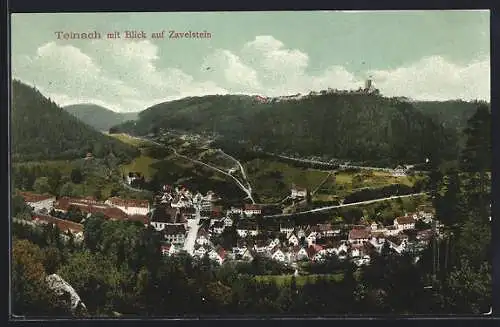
{"x": 197, "y": 224}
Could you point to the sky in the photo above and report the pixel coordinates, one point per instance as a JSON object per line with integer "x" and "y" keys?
{"x": 423, "y": 55}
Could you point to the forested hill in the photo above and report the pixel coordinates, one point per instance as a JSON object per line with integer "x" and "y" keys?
{"x": 453, "y": 114}
{"x": 41, "y": 130}
{"x": 99, "y": 117}
{"x": 359, "y": 127}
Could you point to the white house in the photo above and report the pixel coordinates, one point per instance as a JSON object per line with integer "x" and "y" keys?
{"x": 298, "y": 192}
{"x": 311, "y": 238}
{"x": 398, "y": 244}
{"x": 38, "y": 201}
{"x": 260, "y": 246}
{"x": 301, "y": 253}
{"x": 246, "y": 227}
{"x": 234, "y": 210}
{"x": 228, "y": 222}
{"x": 252, "y": 209}
{"x": 293, "y": 239}
{"x": 404, "y": 223}
{"x": 272, "y": 244}
{"x": 286, "y": 228}
{"x": 168, "y": 249}
{"x": 378, "y": 243}
{"x": 130, "y": 207}
{"x": 217, "y": 256}
{"x": 218, "y": 227}
{"x": 200, "y": 252}
{"x": 278, "y": 255}
{"x": 202, "y": 238}
{"x": 175, "y": 234}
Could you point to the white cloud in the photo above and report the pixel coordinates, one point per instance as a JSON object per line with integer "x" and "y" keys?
{"x": 434, "y": 78}
{"x": 120, "y": 75}
{"x": 125, "y": 75}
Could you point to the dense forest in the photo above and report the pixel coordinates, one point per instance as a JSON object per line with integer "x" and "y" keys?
{"x": 359, "y": 127}
{"x": 118, "y": 270}
{"x": 100, "y": 118}
{"x": 41, "y": 130}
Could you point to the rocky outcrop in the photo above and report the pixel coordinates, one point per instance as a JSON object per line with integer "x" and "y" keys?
{"x": 61, "y": 287}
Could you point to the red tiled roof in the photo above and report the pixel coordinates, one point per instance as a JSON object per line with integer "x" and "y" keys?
{"x": 222, "y": 253}
{"x": 317, "y": 247}
{"x": 405, "y": 220}
{"x": 311, "y": 251}
{"x": 63, "y": 225}
{"x": 359, "y": 233}
{"x": 32, "y": 197}
{"x": 252, "y": 207}
{"x": 141, "y": 218}
{"x": 129, "y": 202}
{"x": 112, "y": 213}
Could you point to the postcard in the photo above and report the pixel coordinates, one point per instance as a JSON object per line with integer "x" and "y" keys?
{"x": 250, "y": 164}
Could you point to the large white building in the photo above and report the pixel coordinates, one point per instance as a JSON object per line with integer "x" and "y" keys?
{"x": 130, "y": 207}
{"x": 38, "y": 201}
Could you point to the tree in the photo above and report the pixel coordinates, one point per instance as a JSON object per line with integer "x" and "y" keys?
{"x": 19, "y": 208}
{"x": 67, "y": 189}
{"x": 54, "y": 180}
{"x": 476, "y": 156}
{"x": 42, "y": 185}
{"x": 31, "y": 295}
{"x": 76, "y": 176}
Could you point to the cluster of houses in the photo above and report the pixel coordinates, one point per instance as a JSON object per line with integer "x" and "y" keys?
{"x": 175, "y": 207}
{"x": 114, "y": 208}
{"x": 314, "y": 243}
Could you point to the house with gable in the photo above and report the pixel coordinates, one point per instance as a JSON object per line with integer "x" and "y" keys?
{"x": 300, "y": 253}
{"x": 298, "y": 192}
{"x": 200, "y": 251}
{"x": 218, "y": 227}
{"x": 404, "y": 223}
{"x": 293, "y": 239}
{"x": 203, "y": 238}
{"x": 247, "y": 227}
{"x": 359, "y": 235}
{"x": 398, "y": 243}
{"x": 277, "y": 254}
{"x": 169, "y": 249}
{"x": 286, "y": 227}
{"x": 175, "y": 234}
{"x": 252, "y": 210}
{"x": 228, "y": 221}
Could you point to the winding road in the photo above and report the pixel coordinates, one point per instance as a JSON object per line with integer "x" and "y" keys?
{"x": 331, "y": 164}
{"x": 341, "y": 206}
{"x": 240, "y": 185}
{"x": 249, "y": 187}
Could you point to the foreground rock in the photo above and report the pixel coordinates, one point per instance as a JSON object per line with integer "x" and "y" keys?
{"x": 62, "y": 288}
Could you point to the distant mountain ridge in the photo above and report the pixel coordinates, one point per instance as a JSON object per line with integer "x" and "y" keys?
{"x": 354, "y": 126}
{"x": 99, "y": 117}
{"x": 41, "y": 130}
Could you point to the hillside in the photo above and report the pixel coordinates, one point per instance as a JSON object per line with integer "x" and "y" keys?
{"x": 99, "y": 117}
{"x": 359, "y": 127}
{"x": 453, "y": 114}
{"x": 41, "y": 130}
